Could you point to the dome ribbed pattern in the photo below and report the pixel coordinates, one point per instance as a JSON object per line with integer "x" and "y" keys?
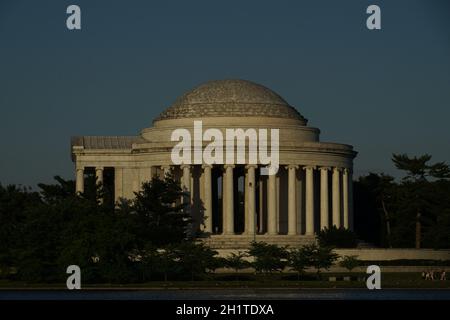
{"x": 230, "y": 98}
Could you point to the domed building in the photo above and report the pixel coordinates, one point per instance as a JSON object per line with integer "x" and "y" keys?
{"x": 233, "y": 203}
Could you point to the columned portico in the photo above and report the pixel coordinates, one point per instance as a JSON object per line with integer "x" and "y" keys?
{"x": 341, "y": 201}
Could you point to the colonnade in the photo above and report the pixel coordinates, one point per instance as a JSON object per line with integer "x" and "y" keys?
{"x": 314, "y": 218}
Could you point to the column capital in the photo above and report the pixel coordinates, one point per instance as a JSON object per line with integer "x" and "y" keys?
{"x": 254, "y": 166}
{"x": 309, "y": 167}
{"x": 348, "y": 170}
{"x": 99, "y": 168}
{"x": 166, "y": 166}
{"x": 204, "y": 166}
{"x": 185, "y": 166}
{"x": 226, "y": 166}
{"x": 291, "y": 166}
{"x": 325, "y": 168}
{"x": 339, "y": 169}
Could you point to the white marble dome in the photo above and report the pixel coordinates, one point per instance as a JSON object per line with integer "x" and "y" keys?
{"x": 230, "y": 98}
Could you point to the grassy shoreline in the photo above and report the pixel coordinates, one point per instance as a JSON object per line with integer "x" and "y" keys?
{"x": 389, "y": 280}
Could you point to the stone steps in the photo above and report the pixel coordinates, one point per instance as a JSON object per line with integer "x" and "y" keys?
{"x": 365, "y": 245}
{"x": 244, "y": 241}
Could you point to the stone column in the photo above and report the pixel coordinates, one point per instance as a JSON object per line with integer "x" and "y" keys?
{"x": 246, "y": 201}
{"x": 135, "y": 176}
{"x": 345, "y": 199}
{"x": 350, "y": 200}
{"x": 186, "y": 183}
{"x": 271, "y": 205}
{"x": 251, "y": 208}
{"x": 80, "y": 180}
{"x": 99, "y": 178}
{"x": 292, "y": 195}
{"x": 309, "y": 200}
{"x": 300, "y": 180}
{"x": 324, "y": 223}
{"x": 278, "y": 204}
{"x": 166, "y": 170}
{"x": 261, "y": 205}
{"x": 229, "y": 200}
{"x": 144, "y": 175}
{"x": 192, "y": 183}
{"x": 99, "y": 175}
{"x": 224, "y": 200}
{"x": 153, "y": 172}
{"x": 336, "y": 198}
{"x": 207, "y": 213}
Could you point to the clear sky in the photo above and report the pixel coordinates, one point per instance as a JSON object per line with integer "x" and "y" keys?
{"x": 382, "y": 91}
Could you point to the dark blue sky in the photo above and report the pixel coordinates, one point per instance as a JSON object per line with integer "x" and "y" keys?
{"x": 381, "y": 91}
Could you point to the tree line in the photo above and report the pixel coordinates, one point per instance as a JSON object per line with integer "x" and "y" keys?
{"x": 413, "y": 212}
{"x": 149, "y": 237}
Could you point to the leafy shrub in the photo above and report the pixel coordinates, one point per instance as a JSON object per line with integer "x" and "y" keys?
{"x": 349, "y": 262}
{"x": 236, "y": 261}
{"x": 268, "y": 257}
{"x": 318, "y": 257}
{"x": 337, "y": 237}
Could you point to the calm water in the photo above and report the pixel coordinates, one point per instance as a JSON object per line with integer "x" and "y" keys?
{"x": 249, "y": 294}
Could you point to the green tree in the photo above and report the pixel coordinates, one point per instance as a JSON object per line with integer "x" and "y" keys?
{"x": 384, "y": 192}
{"x": 337, "y": 237}
{"x": 58, "y": 228}
{"x": 195, "y": 258}
{"x": 237, "y": 261}
{"x": 268, "y": 257}
{"x": 349, "y": 262}
{"x": 298, "y": 260}
{"x": 160, "y": 219}
{"x": 149, "y": 262}
{"x": 167, "y": 261}
{"x": 413, "y": 212}
{"x": 417, "y": 189}
{"x": 14, "y": 202}
{"x": 319, "y": 257}
{"x": 159, "y": 261}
